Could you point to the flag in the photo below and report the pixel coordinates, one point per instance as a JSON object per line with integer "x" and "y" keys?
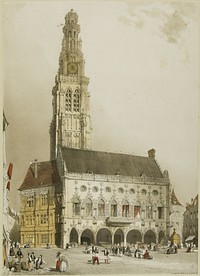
{"x": 9, "y": 172}
{"x": 8, "y": 185}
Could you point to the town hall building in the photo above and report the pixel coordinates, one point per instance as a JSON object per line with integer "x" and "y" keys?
{"x": 87, "y": 196}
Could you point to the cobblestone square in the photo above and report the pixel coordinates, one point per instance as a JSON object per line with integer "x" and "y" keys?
{"x": 180, "y": 263}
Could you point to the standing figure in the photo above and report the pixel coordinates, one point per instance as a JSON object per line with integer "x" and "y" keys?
{"x": 64, "y": 263}
{"x": 19, "y": 255}
{"x": 95, "y": 258}
{"x": 30, "y": 263}
{"x": 12, "y": 251}
{"x": 58, "y": 261}
{"x": 33, "y": 257}
{"x": 106, "y": 254}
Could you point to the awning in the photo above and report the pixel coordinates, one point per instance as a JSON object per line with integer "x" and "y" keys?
{"x": 190, "y": 238}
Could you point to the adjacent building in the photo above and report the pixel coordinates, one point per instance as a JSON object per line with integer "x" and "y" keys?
{"x": 40, "y": 195}
{"x": 82, "y": 195}
{"x": 190, "y": 222}
{"x": 176, "y": 218}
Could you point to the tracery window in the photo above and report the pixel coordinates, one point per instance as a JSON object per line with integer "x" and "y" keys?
{"x": 137, "y": 211}
{"x": 160, "y": 213}
{"x": 88, "y": 207}
{"x": 44, "y": 199}
{"x": 68, "y": 100}
{"x": 76, "y": 207}
{"x": 101, "y": 208}
{"x": 149, "y": 212}
{"x": 44, "y": 238}
{"x": 113, "y": 209}
{"x": 76, "y": 101}
{"x": 125, "y": 209}
{"x": 43, "y": 219}
{"x": 30, "y": 201}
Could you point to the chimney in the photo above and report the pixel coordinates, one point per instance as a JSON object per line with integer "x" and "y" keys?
{"x": 151, "y": 153}
{"x": 35, "y": 168}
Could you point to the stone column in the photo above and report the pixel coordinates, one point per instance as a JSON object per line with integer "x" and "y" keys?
{"x": 124, "y": 239}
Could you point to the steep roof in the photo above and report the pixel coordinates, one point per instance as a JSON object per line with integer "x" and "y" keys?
{"x": 47, "y": 175}
{"x": 174, "y": 199}
{"x": 107, "y": 163}
{"x": 194, "y": 202}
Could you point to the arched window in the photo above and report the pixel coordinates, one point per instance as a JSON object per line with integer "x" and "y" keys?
{"x": 125, "y": 209}
{"x": 88, "y": 207}
{"x": 137, "y": 210}
{"x": 155, "y": 192}
{"x": 76, "y": 207}
{"x": 101, "y": 208}
{"x": 132, "y": 191}
{"x": 113, "y": 209}
{"x": 44, "y": 199}
{"x": 68, "y": 100}
{"x": 108, "y": 189}
{"x": 144, "y": 192}
{"x": 149, "y": 212}
{"x": 76, "y": 101}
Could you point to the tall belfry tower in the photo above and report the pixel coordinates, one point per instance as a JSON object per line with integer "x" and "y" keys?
{"x": 71, "y": 123}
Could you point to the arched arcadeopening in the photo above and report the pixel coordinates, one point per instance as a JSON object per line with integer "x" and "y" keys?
{"x": 87, "y": 237}
{"x": 149, "y": 237}
{"x": 133, "y": 237}
{"x": 104, "y": 237}
{"x": 161, "y": 238}
{"x": 118, "y": 237}
{"x": 73, "y": 236}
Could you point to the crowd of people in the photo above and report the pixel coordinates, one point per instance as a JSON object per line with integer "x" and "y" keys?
{"x": 119, "y": 250}
{"x": 132, "y": 251}
{"x": 17, "y": 260}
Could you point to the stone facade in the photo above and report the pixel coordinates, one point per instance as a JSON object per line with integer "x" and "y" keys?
{"x": 109, "y": 208}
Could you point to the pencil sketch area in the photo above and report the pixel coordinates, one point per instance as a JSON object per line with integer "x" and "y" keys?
{"x": 97, "y": 138}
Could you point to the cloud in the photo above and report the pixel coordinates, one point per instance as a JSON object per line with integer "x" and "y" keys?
{"x": 125, "y": 20}
{"x": 169, "y": 18}
{"x": 173, "y": 27}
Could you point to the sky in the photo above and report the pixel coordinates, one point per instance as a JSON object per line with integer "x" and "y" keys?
{"x": 142, "y": 61}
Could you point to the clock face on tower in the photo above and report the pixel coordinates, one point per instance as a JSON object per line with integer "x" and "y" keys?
{"x": 72, "y": 67}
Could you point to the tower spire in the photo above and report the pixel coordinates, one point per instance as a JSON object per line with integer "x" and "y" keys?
{"x": 71, "y": 123}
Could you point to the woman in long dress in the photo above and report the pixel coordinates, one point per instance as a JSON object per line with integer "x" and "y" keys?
{"x": 62, "y": 263}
